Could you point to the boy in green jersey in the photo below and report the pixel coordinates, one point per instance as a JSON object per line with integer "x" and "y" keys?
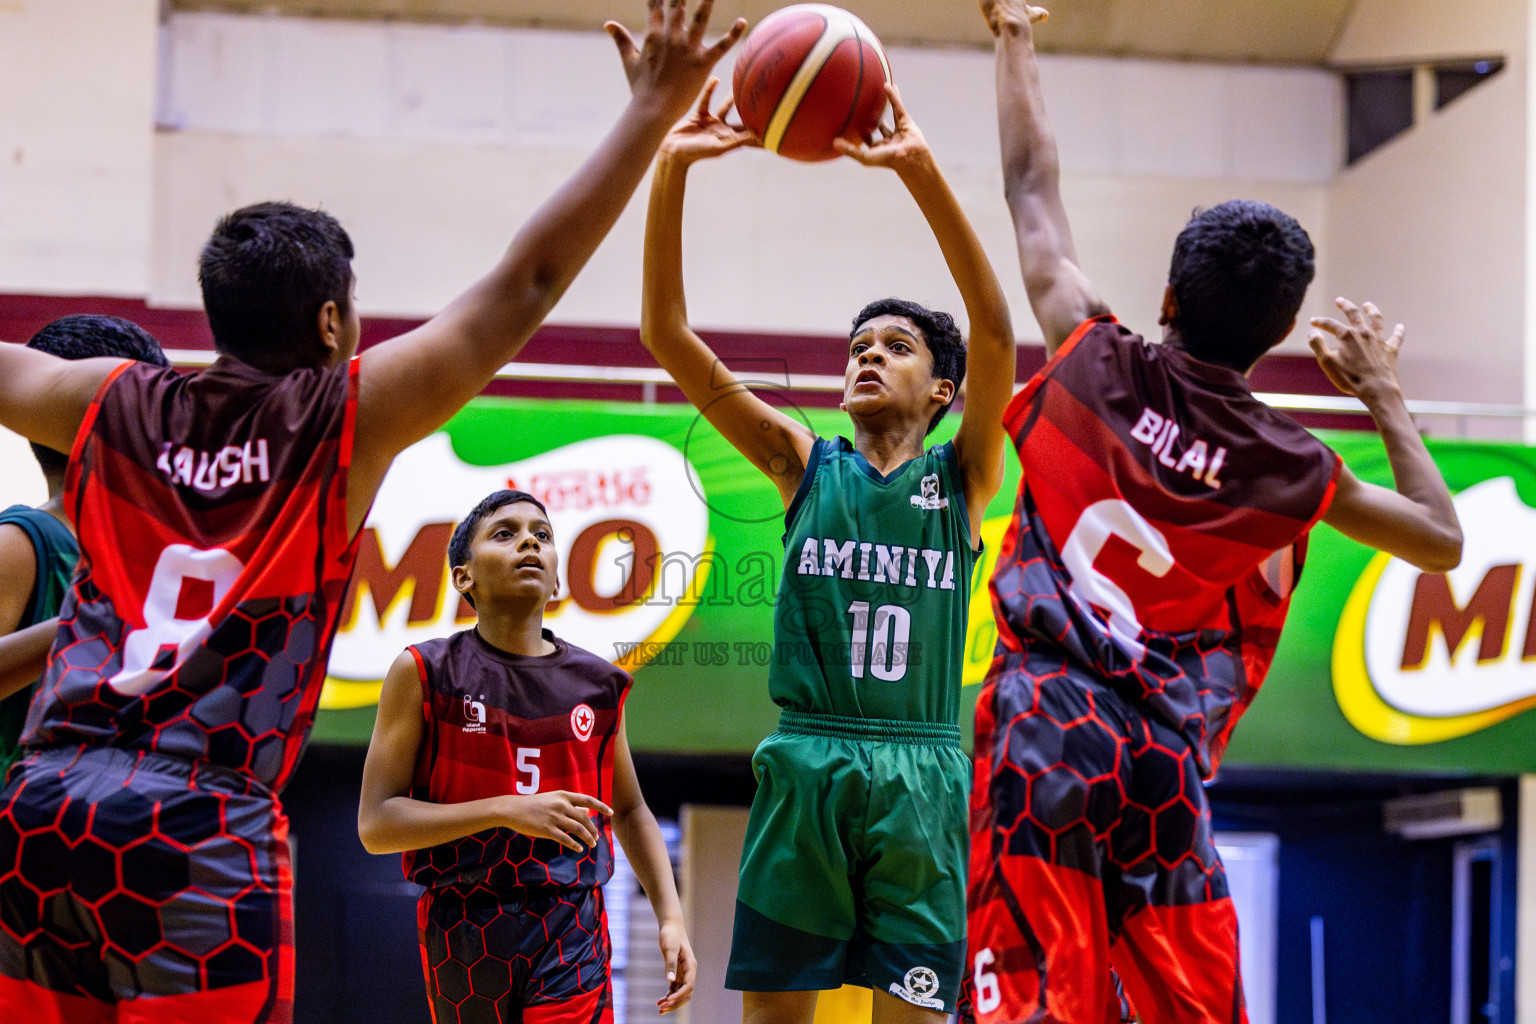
{"x": 854, "y": 867}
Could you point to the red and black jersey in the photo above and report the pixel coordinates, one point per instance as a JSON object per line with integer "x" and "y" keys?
{"x": 499, "y": 723}
{"x": 214, "y": 557}
{"x": 1158, "y": 527}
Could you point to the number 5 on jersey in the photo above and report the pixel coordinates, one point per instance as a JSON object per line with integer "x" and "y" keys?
{"x": 527, "y": 764}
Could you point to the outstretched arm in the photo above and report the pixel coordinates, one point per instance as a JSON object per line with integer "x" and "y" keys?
{"x": 24, "y": 656}
{"x": 1060, "y": 294}
{"x": 43, "y": 398}
{"x": 772, "y": 441}
{"x": 635, "y": 826}
{"x": 389, "y": 820}
{"x": 411, "y": 385}
{"x": 989, "y": 368}
{"x": 1416, "y": 522}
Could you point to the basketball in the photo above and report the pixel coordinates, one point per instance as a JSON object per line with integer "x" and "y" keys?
{"x": 809, "y": 74}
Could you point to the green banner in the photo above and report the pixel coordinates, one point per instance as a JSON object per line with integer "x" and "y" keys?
{"x": 1384, "y": 668}
{"x": 670, "y": 553}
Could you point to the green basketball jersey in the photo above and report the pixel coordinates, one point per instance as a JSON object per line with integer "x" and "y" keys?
{"x": 56, "y": 552}
{"x": 872, "y": 609}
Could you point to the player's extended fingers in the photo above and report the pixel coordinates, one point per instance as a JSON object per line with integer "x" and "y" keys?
{"x": 589, "y": 802}
{"x": 1351, "y": 311}
{"x": 655, "y": 16}
{"x": 1327, "y": 323}
{"x": 1038, "y": 14}
{"x": 725, "y": 108}
{"x": 565, "y": 839}
{"x": 1395, "y": 340}
{"x": 1318, "y": 342}
{"x": 1373, "y": 316}
{"x": 708, "y": 97}
{"x": 672, "y": 23}
{"x": 724, "y": 43}
{"x": 579, "y": 827}
{"x": 629, "y": 52}
{"x": 700, "y": 23}
{"x": 687, "y": 971}
{"x": 859, "y": 151}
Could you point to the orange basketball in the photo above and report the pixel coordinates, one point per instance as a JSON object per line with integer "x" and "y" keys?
{"x": 809, "y": 74}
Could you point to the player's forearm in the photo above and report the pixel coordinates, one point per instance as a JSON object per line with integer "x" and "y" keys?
{"x": 401, "y": 823}
{"x": 1414, "y": 473}
{"x": 663, "y": 302}
{"x": 664, "y": 328}
{"x": 1031, "y": 165}
{"x": 643, "y": 844}
{"x": 986, "y": 306}
{"x": 24, "y": 656}
{"x": 557, "y": 241}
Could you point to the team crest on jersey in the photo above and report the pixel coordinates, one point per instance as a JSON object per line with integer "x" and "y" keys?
{"x": 920, "y": 988}
{"x": 929, "y": 498}
{"x": 582, "y": 720}
{"x": 474, "y": 714}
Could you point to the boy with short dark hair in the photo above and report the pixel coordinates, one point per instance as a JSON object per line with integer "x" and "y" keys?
{"x": 1160, "y": 527}
{"x": 492, "y": 751}
{"x": 854, "y": 864}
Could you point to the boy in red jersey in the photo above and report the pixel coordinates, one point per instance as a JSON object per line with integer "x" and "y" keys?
{"x": 37, "y": 545}
{"x": 1140, "y": 591}
{"x": 143, "y": 853}
{"x": 491, "y": 751}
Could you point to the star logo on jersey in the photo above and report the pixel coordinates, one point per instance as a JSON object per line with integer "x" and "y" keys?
{"x": 929, "y": 499}
{"x": 920, "y": 988}
{"x": 582, "y": 720}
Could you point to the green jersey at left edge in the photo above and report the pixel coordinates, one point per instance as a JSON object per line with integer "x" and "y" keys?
{"x": 872, "y": 608}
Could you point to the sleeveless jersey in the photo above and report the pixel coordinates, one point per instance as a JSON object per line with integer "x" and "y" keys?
{"x": 1159, "y": 526}
{"x": 55, "y": 552}
{"x": 211, "y": 511}
{"x": 499, "y": 723}
{"x": 871, "y": 612}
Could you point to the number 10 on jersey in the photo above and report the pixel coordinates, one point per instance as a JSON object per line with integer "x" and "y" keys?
{"x": 885, "y": 653}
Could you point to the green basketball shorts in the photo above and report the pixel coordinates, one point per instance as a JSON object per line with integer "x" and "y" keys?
{"x": 854, "y": 866}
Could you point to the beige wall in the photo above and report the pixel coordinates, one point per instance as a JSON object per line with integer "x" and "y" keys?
{"x": 435, "y": 144}
{"x": 1398, "y": 31}
{"x": 77, "y": 91}
{"x": 432, "y": 145}
{"x": 1431, "y": 226}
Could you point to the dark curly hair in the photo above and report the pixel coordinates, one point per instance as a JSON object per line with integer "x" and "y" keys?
{"x": 266, "y": 272}
{"x": 939, "y": 333}
{"x": 1239, "y": 273}
{"x": 87, "y": 336}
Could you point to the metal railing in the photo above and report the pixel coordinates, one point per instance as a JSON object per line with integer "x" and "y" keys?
{"x": 648, "y": 378}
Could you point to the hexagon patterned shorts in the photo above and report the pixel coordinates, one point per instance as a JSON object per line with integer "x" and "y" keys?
{"x": 1091, "y": 849}
{"x": 536, "y": 955}
{"x": 145, "y": 881}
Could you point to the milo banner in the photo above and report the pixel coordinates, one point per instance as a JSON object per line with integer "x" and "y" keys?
{"x": 670, "y": 553}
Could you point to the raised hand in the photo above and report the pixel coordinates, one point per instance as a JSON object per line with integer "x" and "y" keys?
{"x": 888, "y": 147}
{"x": 681, "y": 966}
{"x": 706, "y": 134}
{"x": 1011, "y": 13}
{"x": 672, "y": 64}
{"x": 564, "y": 817}
{"x": 1363, "y": 363}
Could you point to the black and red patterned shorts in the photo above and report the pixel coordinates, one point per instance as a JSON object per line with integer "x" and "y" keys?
{"x": 536, "y": 955}
{"x": 1091, "y": 855}
{"x": 144, "y": 886}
